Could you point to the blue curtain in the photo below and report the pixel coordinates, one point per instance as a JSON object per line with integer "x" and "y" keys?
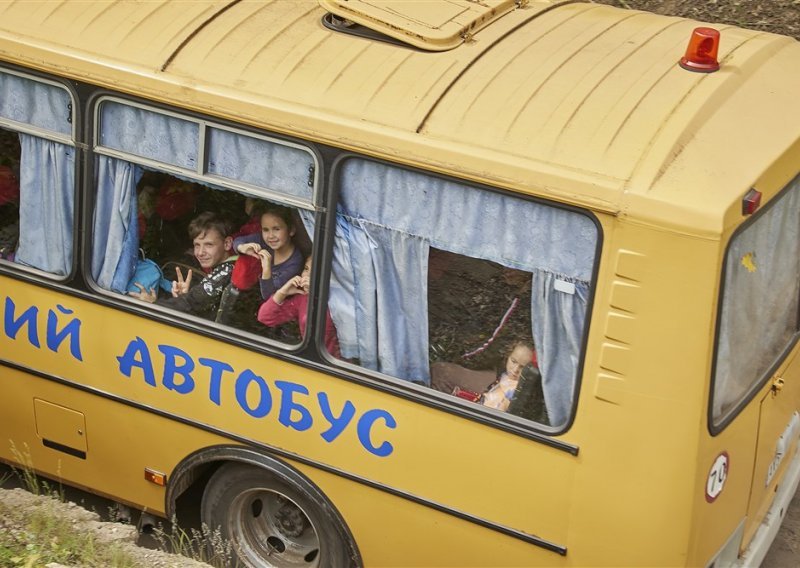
{"x": 160, "y": 137}
{"x": 379, "y": 296}
{"x": 116, "y": 243}
{"x": 232, "y": 155}
{"x": 378, "y": 293}
{"x": 342, "y": 293}
{"x": 39, "y": 104}
{"x": 176, "y": 141}
{"x": 47, "y": 177}
{"x": 558, "y": 311}
{"x": 262, "y": 163}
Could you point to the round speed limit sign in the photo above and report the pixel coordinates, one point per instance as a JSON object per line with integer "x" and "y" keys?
{"x": 717, "y": 476}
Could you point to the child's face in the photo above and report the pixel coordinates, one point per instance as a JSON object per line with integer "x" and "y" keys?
{"x": 305, "y": 276}
{"x": 519, "y": 357}
{"x": 211, "y": 248}
{"x": 275, "y": 232}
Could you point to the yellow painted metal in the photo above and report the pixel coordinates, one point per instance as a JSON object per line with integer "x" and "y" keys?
{"x": 56, "y": 423}
{"x": 578, "y": 103}
{"x": 597, "y": 114}
{"x": 434, "y": 26}
{"x": 128, "y": 440}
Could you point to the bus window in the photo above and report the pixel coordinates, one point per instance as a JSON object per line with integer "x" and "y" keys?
{"x": 760, "y": 301}
{"x": 168, "y": 210}
{"x": 478, "y": 311}
{"x": 411, "y": 247}
{"x": 37, "y": 178}
{"x": 224, "y": 232}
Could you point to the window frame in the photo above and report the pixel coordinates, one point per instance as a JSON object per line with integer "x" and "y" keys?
{"x": 199, "y": 174}
{"x": 310, "y": 352}
{"x": 70, "y": 140}
{"x": 717, "y": 424}
{"x": 424, "y": 394}
{"x": 194, "y": 323}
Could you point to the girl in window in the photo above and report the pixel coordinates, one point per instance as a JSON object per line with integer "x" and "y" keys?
{"x": 274, "y": 247}
{"x": 501, "y": 392}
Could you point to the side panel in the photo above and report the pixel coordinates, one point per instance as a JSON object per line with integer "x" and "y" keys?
{"x": 641, "y": 408}
{"x": 338, "y": 427}
{"x": 717, "y": 518}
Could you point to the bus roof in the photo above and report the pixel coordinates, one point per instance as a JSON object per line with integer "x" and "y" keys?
{"x": 580, "y": 102}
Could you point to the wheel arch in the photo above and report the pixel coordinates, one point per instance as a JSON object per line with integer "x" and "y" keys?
{"x": 191, "y": 468}
{"x": 199, "y": 465}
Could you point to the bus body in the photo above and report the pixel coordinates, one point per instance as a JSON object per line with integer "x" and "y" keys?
{"x": 651, "y": 212}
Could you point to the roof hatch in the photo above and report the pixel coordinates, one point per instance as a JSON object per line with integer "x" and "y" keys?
{"x": 432, "y": 26}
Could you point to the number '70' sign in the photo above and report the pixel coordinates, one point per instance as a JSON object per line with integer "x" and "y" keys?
{"x": 717, "y": 476}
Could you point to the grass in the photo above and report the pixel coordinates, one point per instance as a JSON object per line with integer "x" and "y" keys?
{"x": 204, "y": 545}
{"x": 45, "y": 537}
{"x": 38, "y": 535}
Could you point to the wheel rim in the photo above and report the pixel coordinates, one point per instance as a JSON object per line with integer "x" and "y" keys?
{"x": 267, "y": 525}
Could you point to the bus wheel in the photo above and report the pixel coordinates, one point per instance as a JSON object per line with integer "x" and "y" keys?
{"x": 275, "y": 518}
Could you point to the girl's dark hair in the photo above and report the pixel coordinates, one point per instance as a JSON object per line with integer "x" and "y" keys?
{"x": 520, "y": 343}
{"x": 279, "y": 211}
{"x": 501, "y": 364}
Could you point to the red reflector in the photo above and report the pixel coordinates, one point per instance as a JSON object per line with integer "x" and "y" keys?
{"x": 701, "y": 53}
{"x": 750, "y": 202}
{"x": 154, "y": 476}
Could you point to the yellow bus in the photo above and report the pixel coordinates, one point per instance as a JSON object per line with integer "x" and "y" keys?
{"x": 472, "y": 283}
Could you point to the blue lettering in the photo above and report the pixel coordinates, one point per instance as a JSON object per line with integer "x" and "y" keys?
{"x": 28, "y": 317}
{"x": 365, "y": 424}
{"x": 215, "y": 381}
{"x": 243, "y": 382}
{"x": 338, "y": 423}
{"x": 72, "y": 329}
{"x": 173, "y": 369}
{"x": 288, "y": 405}
{"x": 252, "y": 392}
{"x": 137, "y": 355}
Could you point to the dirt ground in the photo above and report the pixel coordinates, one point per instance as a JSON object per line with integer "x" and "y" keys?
{"x": 776, "y": 16}
{"x": 85, "y": 521}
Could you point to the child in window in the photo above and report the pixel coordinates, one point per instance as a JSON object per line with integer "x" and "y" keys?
{"x": 274, "y": 247}
{"x": 500, "y": 393}
{"x": 290, "y": 303}
{"x": 247, "y": 270}
{"x": 212, "y": 249}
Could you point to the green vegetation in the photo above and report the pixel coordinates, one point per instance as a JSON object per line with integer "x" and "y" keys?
{"x": 203, "y": 545}
{"x": 35, "y": 536}
{"x": 32, "y": 537}
{"x": 36, "y": 532}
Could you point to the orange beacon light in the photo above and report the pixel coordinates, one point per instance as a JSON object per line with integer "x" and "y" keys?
{"x": 701, "y": 53}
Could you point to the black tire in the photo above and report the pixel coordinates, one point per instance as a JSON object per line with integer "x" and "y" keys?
{"x": 275, "y": 517}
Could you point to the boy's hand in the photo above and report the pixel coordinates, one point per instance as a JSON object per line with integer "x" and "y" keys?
{"x": 181, "y": 286}
{"x": 144, "y": 294}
